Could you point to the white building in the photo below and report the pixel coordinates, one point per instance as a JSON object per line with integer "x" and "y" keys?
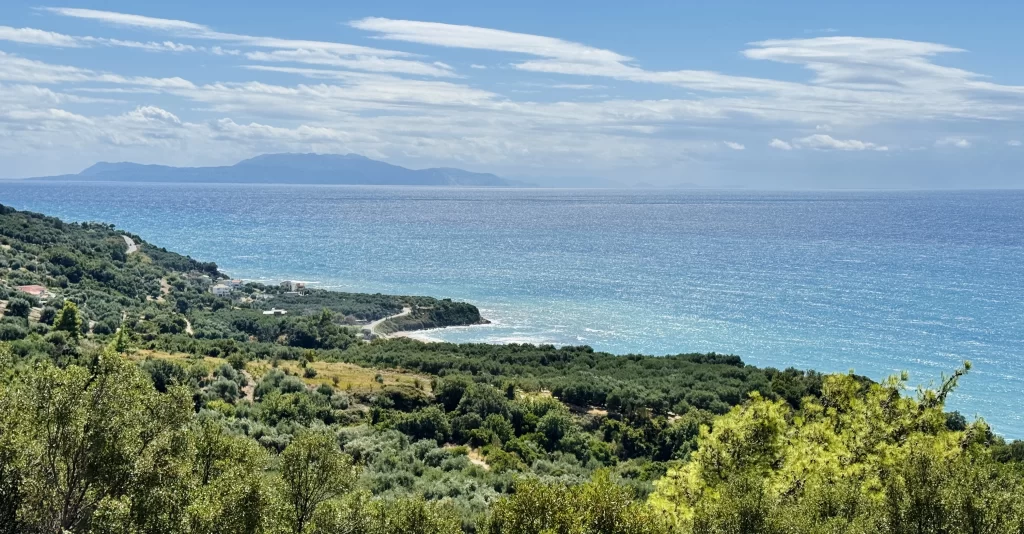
{"x": 221, "y": 290}
{"x": 293, "y": 285}
{"x": 234, "y": 284}
{"x": 275, "y": 311}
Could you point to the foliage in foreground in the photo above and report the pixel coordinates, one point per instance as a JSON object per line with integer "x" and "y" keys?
{"x": 856, "y": 460}
{"x": 96, "y": 448}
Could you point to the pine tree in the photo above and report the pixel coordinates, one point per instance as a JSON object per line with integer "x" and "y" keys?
{"x": 69, "y": 320}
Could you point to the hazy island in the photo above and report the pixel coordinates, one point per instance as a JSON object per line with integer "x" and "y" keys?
{"x": 144, "y": 391}
{"x": 324, "y": 169}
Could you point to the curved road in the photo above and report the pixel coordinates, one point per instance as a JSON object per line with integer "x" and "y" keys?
{"x": 372, "y": 327}
{"x": 132, "y": 247}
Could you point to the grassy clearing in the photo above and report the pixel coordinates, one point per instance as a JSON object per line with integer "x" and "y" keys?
{"x": 209, "y": 362}
{"x": 344, "y": 376}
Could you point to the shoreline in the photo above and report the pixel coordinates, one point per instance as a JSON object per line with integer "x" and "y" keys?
{"x": 421, "y": 335}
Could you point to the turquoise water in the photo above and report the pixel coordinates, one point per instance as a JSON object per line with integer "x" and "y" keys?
{"x": 871, "y": 281}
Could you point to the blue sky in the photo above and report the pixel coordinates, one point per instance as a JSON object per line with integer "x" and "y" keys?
{"x": 720, "y": 94}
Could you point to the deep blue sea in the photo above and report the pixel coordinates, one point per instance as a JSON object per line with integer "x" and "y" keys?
{"x": 877, "y": 282}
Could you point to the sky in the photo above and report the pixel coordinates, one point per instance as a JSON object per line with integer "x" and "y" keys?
{"x": 767, "y": 95}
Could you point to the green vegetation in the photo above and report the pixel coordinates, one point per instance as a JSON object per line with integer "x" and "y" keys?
{"x": 857, "y": 459}
{"x": 192, "y": 413}
{"x": 433, "y": 315}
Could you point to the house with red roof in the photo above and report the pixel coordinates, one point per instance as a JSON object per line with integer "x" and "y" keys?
{"x": 37, "y": 291}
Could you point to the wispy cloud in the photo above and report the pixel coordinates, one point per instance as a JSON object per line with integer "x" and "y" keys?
{"x": 19, "y": 69}
{"x": 125, "y": 19}
{"x": 955, "y": 142}
{"x": 577, "y": 86}
{"x": 200, "y": 31}
{"x": 37, "y": 37}
{"x": 459, "y": 36}
{"x": 274, "y": 94}
{"x": 855, "y": 79}
{"x": 47, "y": 38}
{"x": 368, "y": 63}
{"x": 827, "y": 142}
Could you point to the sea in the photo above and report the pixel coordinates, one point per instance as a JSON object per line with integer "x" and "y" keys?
{"x": 865, "y": 281}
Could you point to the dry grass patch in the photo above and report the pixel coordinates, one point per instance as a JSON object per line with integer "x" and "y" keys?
{"x": 209, "y": 362}
{"x": 343, "y": 376}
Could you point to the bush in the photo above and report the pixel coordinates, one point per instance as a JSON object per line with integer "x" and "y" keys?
{"x": 428, "y": 423}
{"x": 10, "y": 332}
{"x": 18, "y": 307}
{"x": 225, "y": 389}
{"x": 48, "y": 314}
{"x": 309, "y": 372}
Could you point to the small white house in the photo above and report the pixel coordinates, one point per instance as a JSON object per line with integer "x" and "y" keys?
{"x": 275, "y": 311}
{"x": 221, "y": 290}
{"x": 234, "y": 284}
{"x": 293, "y": 285}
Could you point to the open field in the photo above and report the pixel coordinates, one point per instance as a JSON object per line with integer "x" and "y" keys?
{"x": 342, "y": 376}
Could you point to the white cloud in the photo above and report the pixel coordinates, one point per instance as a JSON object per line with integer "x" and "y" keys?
{"x": 458, "y": 36}
{"x": 48, "y": 38}
{"x": 390, "y": 103}
{"x": 17, "y": 69}
{"x": 164, "y": 46}
{"x": 368, "y": 63}
{"x": 827, "y": 142}
{"x": 40, "y": 115}
{"x": 1014, "y": 142}
{"x": 216, "y": 50}
{"x": 123, "y": 19}
{"x": 200, "y": 31}
{"x": 856, "y": 79}
{"x": 38, "y": 37}
{"x": 956, "y": 142}
{"x": 152, "y": 113}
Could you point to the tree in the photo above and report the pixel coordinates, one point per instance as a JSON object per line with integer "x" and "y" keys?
{"x": 122, "y": 341}
{"x": 449, "y": 391}
{"x": 18, "y": 308}
{"x": 234, "y": 495}
{"x": 428, "y": 423}
{"x": 857, "y": 459}
{"x": 97, "y": 442}
{"x": 360, "y": 513}
{"x": 598, "y": 507}
{"x": 314, "y": 470}
{"x": 69, "y": 320}
{"x": 47, "y": 315}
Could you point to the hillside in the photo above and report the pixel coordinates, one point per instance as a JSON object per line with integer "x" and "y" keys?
{"x": 160, "y": 406}
{"x": 332, "y": 169}
{"x": 158, "y": 291}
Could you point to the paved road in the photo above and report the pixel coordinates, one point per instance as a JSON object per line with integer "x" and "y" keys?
{"x": 372, "y": 327}
{"x": 132, "y": 247}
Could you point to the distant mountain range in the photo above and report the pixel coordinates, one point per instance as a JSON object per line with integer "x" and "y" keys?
{"x": 347, "y": 169}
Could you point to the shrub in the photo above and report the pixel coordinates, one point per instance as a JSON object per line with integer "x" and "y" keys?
{"x": 48, "y": 314}
{"x": 18, "y": 307}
